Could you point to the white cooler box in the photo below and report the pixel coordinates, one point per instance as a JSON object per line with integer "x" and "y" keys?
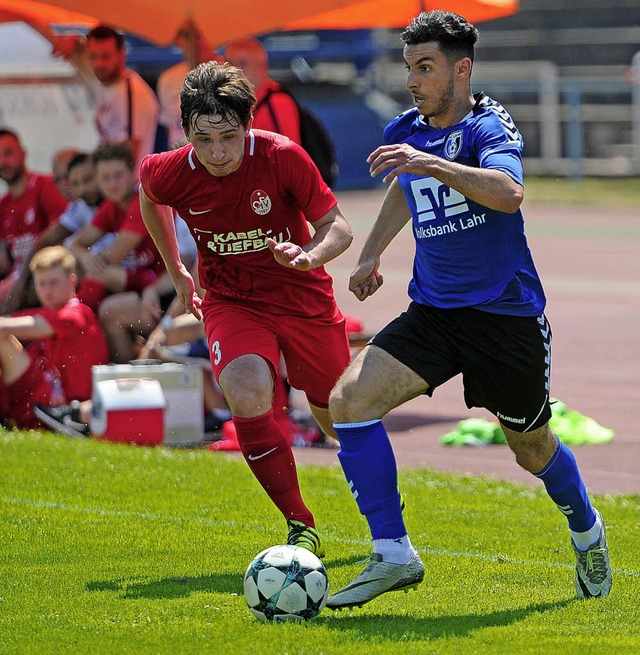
{"x": 128, "y": 410}
{"x": 182, "y": 388}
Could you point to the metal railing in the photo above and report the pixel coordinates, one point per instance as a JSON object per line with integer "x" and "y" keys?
{"x": 575, "y": 122}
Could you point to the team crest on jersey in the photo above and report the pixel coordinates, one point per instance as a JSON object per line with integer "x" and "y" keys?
{"x": 453, "y": 145}
{"x": 260, "y": 202}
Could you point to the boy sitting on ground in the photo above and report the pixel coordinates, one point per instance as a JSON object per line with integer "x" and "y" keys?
{"x": 46, "y": 353}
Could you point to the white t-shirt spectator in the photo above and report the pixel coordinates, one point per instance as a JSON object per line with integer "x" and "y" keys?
{"x": 117, "y": 119}
{"x": 76, "y": 216}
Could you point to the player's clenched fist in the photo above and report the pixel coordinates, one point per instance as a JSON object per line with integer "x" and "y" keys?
{"x": 290, "y": 255}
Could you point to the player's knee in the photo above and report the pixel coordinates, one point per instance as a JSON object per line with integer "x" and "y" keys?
{"x": 533, "y": 450}
{"x": 346, "y": 402}
{"x": 249, "y": 400}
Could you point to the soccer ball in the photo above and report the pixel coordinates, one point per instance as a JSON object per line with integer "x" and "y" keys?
{"x": 286, "y": 583}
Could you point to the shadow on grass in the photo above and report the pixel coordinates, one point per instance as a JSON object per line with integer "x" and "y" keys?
{"x": 180, "y": 587}
{"x": 399, "y": 422}
{"x": 405, "y": 628}
{"x": 223, "y": 583}
{"x": 333, "y": 562}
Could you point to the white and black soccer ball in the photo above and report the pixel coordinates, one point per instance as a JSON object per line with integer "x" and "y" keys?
{"x": 286, "y": 583}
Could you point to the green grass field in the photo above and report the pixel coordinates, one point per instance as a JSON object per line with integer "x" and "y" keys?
{"x": 117, "y": 549}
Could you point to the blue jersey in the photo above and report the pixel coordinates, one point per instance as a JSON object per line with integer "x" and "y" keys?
{"x": 468, "y": 255}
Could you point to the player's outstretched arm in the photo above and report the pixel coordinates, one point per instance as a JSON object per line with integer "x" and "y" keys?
{"x": 394, "y": 214}
{"x": 332, "y": 236}
{"x": 26, "y": 327}
{"x": 161, "y": 227}
{"x": 489, "y": 187}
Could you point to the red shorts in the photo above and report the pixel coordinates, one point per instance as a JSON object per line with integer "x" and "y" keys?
{"x": 316, "y": 350}
{"x": 39, "y": 385}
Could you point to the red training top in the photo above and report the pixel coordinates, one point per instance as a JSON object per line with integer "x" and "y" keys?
{"x": 23, "y": 218}
{"x": 111, "y": 218}
{"x": 78, "y": 344}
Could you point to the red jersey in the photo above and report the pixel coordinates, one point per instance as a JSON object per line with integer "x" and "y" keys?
{"x": 111, "y": 218}
{"x": 274, "y": 192}
{"x": 78, "y": 344}
{"x": 24, "y": 217}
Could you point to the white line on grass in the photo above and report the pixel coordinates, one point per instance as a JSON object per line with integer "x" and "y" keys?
{"x": 101, "y": 511}
{"x": 364, "y": 543}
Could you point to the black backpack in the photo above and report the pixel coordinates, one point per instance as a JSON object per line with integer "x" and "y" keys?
{"x": 314, "y": 136}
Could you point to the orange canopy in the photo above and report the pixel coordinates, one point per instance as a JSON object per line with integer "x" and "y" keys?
{"x": 398, "y": 13}
{"x": 28, "y": 11}
{"x": 159, "y": 20}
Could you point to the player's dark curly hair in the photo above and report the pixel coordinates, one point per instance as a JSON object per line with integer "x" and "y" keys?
{"x": 216, "y": 89}
{"x": 454, "y": 34}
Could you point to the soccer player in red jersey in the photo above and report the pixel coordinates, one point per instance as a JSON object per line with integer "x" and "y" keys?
{"x": 31, "y": 203}
{"x": 248, "y": 197}
{"x": 46, "y": 353}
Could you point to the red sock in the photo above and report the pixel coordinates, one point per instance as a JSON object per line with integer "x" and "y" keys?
{"x": 281, "y": 405}
{"x": 270, "y": 458}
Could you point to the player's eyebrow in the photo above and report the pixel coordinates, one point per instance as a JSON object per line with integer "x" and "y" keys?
{"x": 230, "y": 130}
{"x": 421, "y": 60}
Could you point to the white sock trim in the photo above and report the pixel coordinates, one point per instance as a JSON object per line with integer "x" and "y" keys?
{"x": 583, "y": 540}
{"x": 358, "y": 424}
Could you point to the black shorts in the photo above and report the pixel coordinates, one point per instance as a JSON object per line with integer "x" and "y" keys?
{"x": 505, "y": 361}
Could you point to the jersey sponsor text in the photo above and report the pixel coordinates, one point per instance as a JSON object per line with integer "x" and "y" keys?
{"x": 450, "y": 227}
{"x": 238, "y": 243}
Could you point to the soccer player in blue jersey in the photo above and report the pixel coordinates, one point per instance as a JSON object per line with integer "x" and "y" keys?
{"x": 454, "y": 163}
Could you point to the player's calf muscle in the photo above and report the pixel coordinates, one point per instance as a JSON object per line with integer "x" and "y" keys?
{"x": 533, "y": 450}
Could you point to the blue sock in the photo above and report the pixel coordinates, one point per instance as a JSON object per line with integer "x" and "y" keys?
{"x": 369, "y": 465}
{"x": 564, "y": 485}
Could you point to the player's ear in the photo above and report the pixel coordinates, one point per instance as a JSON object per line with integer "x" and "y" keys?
{"x": 463, "y": 67}
{"x": 250, "y": 123}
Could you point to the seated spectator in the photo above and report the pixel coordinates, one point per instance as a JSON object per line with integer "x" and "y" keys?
{"x": 60, "y": 171}
{"x": 131, "y": 262}
{"x": 72, "y": 418}
{"x": 46, "y": 353}
{"x": 83, "y": 188}
{"x": 130, "y": 316}
{"x": 83, "y": 183}
{"x": 31, "y": 203}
